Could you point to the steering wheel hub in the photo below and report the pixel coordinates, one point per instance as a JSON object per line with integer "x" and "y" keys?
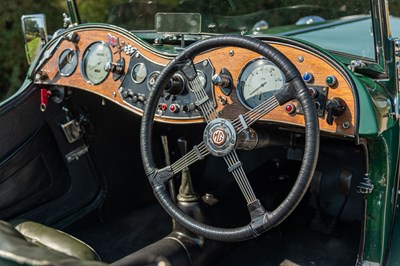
{"x": 220, "y": 137}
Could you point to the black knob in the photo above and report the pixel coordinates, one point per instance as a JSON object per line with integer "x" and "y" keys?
{"x": 188, "y": 107}
{"x": 334, "y": 107}
{"x": 124, "y": 94}
{"x": 176, "y": 85}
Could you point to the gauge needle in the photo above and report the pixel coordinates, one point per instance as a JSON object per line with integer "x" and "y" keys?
{"x": 93, "y": 67}
{"x": 259, "y": 87}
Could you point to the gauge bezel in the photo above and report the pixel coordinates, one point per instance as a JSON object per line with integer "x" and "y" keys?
{"x": 84, "y": 59}
{"x": 75, "y": 66}
{"x": 245, "y": 73}
{"x": 201, "y": 73}
{"x": 144, "y": 78}
{"x": 149, "y": 86}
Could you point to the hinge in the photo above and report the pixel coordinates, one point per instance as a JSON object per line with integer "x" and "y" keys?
{"x": 77, "y": 153}
{"x": 365, "y": 186}
{"x": 357, "y": 64}
{"x": 397, "y": 47}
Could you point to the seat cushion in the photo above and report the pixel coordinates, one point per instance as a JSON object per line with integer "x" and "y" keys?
{"x": 40, "y": 234}
{"x": 15, "y": 249}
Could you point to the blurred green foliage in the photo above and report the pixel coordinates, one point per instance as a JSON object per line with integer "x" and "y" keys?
{"x": 13, "y": 63}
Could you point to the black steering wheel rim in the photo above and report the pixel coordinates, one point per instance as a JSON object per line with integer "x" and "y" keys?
{"x": 298, "y": 90}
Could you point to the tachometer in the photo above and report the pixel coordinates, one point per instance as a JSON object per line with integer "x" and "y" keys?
{"x": 258, "y": 81}
{"x": 96, "y": 56}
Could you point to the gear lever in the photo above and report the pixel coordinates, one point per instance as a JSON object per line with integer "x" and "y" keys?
{"x": 186, "y": 191}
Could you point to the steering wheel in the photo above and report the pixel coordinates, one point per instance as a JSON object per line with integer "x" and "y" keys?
{"x": 220, "y": 137}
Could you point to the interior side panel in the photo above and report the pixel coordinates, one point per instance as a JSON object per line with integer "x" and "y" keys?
{"x": 32, "y": 175}
{"x": 37, "y": 182}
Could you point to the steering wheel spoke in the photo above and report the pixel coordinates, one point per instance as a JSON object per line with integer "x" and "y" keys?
{"x": 202, "y": 99}
{"x": 197, "y": 153}
{"x": 236, "y": 168}
{"x": 243, "y": 122}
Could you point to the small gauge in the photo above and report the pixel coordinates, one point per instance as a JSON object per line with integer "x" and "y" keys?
{"x": 258, "y": 81}
{"x": 139, "y": 73}
{"x": 67, "y": 62}
{"x": 152, "y": 79}
{"x": 95, "y": 58}
{"x": 202, "y": 78}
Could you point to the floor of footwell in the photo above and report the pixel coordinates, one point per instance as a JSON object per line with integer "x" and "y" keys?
{"x": 299, "y": 247}
{"x": 123, "y": 235}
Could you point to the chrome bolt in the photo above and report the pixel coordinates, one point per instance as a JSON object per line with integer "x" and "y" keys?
{"x": 114, "y": 94}
{"x": 231, "y": 53}
{"x": 300, "y": 59}
{"x": 346, "y": 125}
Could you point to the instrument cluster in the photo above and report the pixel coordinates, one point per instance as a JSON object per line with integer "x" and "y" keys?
{"x": 119, "y": 66}
{"x": 176, "y": 101}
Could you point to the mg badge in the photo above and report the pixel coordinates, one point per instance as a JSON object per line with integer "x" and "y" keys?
{"x": 218, "y": 137}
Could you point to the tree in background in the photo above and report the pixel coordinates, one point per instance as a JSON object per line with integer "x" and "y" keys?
{"x": 13, "y": 63}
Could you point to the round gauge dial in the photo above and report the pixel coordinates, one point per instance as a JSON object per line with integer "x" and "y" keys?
{"x": 139, "y": 73}
{"x": 95, "y": 58}
{"x": 67, "y": 62}
{"x": 258, "y": 81}
{"x": 152, "y": 79}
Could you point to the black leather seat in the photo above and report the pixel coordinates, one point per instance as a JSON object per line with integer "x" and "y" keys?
{"x": 30, "y": 243}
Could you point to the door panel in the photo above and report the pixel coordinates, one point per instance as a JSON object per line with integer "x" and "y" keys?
{"x": 32, "y": 175}
{"x": 36, "y": 180}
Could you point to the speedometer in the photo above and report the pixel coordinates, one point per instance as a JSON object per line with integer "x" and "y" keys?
{"x": 258, "y": 81}
{"x": 95, "y": 58}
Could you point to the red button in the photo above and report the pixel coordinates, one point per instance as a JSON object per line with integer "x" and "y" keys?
{"x": 290, "y": 108}
{"x": 174, "y": 108}
{"x": 163, "y": 107}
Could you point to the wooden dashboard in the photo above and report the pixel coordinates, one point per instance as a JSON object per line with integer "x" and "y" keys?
{"x": 129, "y": 48}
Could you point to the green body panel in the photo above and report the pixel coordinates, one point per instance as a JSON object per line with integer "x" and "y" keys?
{"x": 383, "y": 157}
{"x": 375, "y": 107}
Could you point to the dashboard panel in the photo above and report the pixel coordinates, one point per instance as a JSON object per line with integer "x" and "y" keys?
{"x": 122, "y": 68}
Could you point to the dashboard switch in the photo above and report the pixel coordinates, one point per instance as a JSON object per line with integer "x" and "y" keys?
{"x": 188, "y": 107}
{"x": 334, "y": 107}
{"x": 116, "y": 68}
{"x": 290, "y": 108}
{"x": 331, "y": 81}
{"x": 135, "y": 98}
{"x": 174, "y": 108}
{"x": 308, "y": 77}
{"x": 163, "y": 107}
{"x": 314, "y": 92}
{"x": 224, "y": 81}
